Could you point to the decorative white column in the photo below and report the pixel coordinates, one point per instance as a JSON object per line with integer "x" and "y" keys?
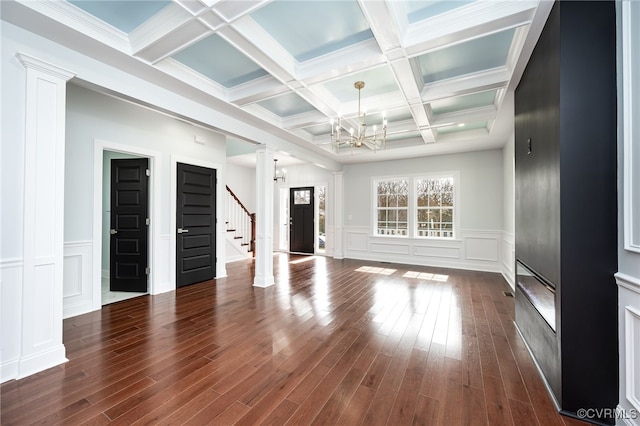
{"x": 264, "y": 217}
{"x": 42, "y": 285}
{"x": 338, "y": 183}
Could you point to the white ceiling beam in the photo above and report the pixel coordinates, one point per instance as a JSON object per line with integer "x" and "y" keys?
{"x": 493, "y": 79}
{"x": 252, "y": 40}
{"x": 467, "y": 116}
{"x": 166, "y": 31}
{"x": 183, "y": 73}
{"x": 354, "y": 58}
{"x": 256, "y": 90}
{"x": 385, "y": 28}
{"x": 466, "y": 23}
{"x": 77, "y": 19}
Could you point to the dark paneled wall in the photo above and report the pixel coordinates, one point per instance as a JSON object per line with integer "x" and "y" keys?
{"x": 566, "y": 217}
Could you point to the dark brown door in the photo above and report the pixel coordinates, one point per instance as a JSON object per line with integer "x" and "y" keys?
{"x": 196, "y": 225}
{"x": 301, "y": 212}
{"x": 129, "y": 224}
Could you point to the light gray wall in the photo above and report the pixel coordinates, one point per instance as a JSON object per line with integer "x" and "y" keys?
{"x": 92, "y": 116}
{"x": 242, "y": 181}
{"x": 93, "y": 120}
{"x": 478, "y": 244}
{"x": 480, "y": 186}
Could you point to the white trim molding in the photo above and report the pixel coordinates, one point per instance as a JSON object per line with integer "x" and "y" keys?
{"x": 77, "y": 288}
{"x": 632, "y": 358}
{"x": 41, "y": 344}
{"x": 628, "y": 282}
{"x": 631, "y": 128}
{"x": 155, "y": 190}
{"x": 478, "y": 250}
{"x": 508, "y": 258}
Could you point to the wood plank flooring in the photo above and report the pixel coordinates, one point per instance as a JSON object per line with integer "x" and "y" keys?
{"x": 333, "y": 342}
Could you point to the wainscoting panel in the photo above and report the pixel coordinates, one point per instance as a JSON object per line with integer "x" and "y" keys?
{"x": 632, "y": 357}
{"x": 629, "y": 338}
{"x": 77, "y": 286}
{"x": 436, "y": 251}
{"x": 377, "y": 247}
{"x": 10, "y": 317}
{"x": 485, "y": 249}
{"x": 357, "y": 240}
{"x": 474, "y": 249}
{"x": 508, "y": 258}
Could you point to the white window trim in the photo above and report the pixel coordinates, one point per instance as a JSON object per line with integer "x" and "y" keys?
{"x": 412, "y": 220}
{"x": 456, "y": 203}
{"x": 374, "y": 205}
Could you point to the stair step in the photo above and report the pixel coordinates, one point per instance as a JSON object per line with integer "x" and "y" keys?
{"x": 231, "y": 230}
{"x": 237, "y": 238}
{"x": 244, "y": 244}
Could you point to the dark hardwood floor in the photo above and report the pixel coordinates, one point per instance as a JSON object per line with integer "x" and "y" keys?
{"x": 333, "y": 342}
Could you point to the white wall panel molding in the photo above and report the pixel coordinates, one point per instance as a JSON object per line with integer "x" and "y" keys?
{"x": 507, "y": 258}
{"x": 632, "y": 357}
{"x": 77, "y": 284}
{"x": 481, "y": 248}
{"x": 475, "y": 250}
{"x": 628, "y": 282}
{"x": 390, "y": 248}
{"x": 437, "y": 251}
{"x": 631, "y": 128}
{"x": 10, "y": 317}
{"x": 15, "y": 262}
{"x": 42, "y": 284}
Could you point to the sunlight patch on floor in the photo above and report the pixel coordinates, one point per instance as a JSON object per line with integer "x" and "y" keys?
{"x": 426, "y": 276}
{"x": 376, "y": 270}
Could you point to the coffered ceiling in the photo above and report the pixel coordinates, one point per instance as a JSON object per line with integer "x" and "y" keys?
{"x": 442, "y": 72}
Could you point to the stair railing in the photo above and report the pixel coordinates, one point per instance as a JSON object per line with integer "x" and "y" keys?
{"x": 240, "y": 221}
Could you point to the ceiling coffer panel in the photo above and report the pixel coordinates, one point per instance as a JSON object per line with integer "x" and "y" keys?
{"x": 433, "y": 71}
{"x": 216, "y": 59}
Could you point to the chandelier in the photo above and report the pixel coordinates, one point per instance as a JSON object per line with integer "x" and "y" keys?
{"x": 276, "y": 176}
{"x": 356, "y": 139}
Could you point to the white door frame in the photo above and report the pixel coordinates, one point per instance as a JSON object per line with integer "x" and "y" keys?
{"x": 154, "y": 211}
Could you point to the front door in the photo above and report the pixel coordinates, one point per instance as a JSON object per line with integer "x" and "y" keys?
{"x": 129, "y": 225}
{"x": 196, "y": 224}
{"x": 301, "y": 231}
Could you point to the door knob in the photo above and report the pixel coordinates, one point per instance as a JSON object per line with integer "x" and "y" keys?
{"x": 113, "y": 231}
{"x": 182, "y": 231}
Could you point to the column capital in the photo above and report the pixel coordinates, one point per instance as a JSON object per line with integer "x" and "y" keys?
{"x": 31, "y": 62}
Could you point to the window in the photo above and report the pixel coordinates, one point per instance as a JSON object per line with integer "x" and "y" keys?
{"x": 434, "y": 211}
{"x": 392, "y": 207}
{"x": 419, "y": 206}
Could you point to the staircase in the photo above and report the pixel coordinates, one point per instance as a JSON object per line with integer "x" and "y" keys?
{"x": 241, "y": 229}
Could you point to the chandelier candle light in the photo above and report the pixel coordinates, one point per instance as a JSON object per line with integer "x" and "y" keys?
{"x": 375, "y": 141}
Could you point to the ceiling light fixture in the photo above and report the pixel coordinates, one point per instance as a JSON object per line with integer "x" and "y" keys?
{"x": 283, "y": 176}
{"x": 357, "y": 139}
